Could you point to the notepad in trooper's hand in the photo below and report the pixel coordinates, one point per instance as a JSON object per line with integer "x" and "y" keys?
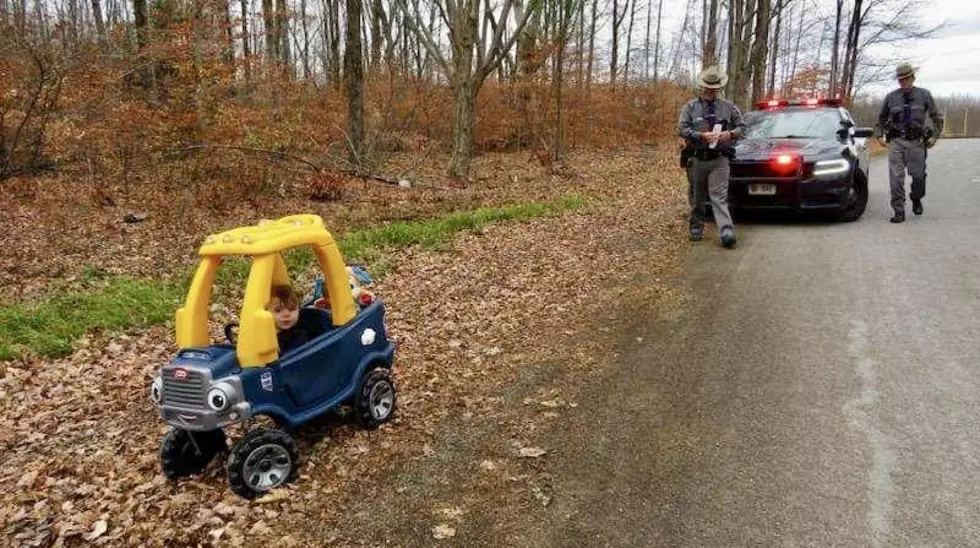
{"x": 714, "y": 140}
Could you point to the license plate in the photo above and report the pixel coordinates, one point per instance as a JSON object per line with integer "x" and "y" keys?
{"x": 762, "y": 190}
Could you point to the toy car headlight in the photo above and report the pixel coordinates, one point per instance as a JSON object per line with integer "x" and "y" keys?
{"x": 156, "y": 390}
{"x": 219, "y": 398}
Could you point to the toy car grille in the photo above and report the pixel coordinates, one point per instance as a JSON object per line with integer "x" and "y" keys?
{"x": 185, "y": 389}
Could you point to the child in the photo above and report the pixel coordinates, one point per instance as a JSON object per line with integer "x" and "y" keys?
{"x": 292, "y": 332}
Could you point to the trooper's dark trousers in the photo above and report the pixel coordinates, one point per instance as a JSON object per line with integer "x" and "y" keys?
{"x": 708, "y": 179}
{"x": 902, "y": 155}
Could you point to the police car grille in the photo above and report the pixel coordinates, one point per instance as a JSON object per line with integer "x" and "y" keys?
{"x": 184, "y": 393}
{"x": 753, "y": 170}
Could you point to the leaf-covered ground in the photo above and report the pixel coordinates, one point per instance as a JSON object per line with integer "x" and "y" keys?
{"x": 483, "y": 329}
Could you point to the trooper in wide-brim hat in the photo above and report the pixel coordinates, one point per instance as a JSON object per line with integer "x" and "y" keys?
{"x": 710, "y": 126}
{"x": 903, "y": 127}
{"x": 904, "y": 70}
{"x": 712, "y": 78}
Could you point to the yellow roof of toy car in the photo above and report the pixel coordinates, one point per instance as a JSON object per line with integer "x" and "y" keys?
{"x": 268, "y": 237}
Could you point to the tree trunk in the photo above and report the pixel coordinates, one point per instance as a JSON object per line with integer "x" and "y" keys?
{"x": 853, "y": 45}
{"x": 581, "y": 42}
{"x": 354, "y": 77}
{"x": 614, "y": 56}
{"x": 656, "y": 42}
{"x": 588, "y": 70}
{"x": 377, "y": 19}
{"x": 646, "y": 42}
{"x": 629, "y": 42}
{"x": 559, "y": 70}
{"x": 332, "y": 34}
{"x": 775, "y": 48}
{"x": 834, "y": 54}
{"x": 148, "y": 74}
{"x": 282, "y": 37}
{"x": 464, "y": 88}
{"x": 711, "y": 40}
{"x": 229, "y": 53}
{"x": 271, "y": 45}
{"x": 760, "y": 51}
{"x": 96, "y": 14}
{"x": 734, "y": 35}
{"x": 246, "y": 45}
{"x": 307, "y": 71}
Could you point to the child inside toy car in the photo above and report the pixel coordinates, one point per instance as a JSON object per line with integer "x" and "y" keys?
{"x": 293, "y": 328}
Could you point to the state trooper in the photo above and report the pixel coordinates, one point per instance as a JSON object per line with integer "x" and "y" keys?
{"x": 902, "y": 124}
{"x": 710, "y": 125}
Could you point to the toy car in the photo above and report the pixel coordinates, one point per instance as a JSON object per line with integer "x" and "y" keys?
{"x": 207, "y": 386}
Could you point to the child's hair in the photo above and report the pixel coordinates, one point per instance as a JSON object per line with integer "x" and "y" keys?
{"x": 285, "y": 296}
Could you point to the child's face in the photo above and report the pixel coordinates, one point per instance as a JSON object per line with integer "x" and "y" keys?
{"x": 286, "y": 317}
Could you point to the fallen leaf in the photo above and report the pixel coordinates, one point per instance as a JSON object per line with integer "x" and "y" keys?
{"x": 443, "y": 531}
{"x": 260, "y": 528}
{"x": 452, "y": 513}
{"x": 224, "y": 510}
{"x": 531, "y": 452}
{"x": 275, "y": 495}
{"x": 98, "y": 529}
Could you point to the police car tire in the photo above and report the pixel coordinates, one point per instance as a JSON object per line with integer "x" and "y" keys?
{"x": 245, "y": 446}
{"x": 362, "y": 405}
{"x": 856, "y": 210}
{"x": 180, "y": 458}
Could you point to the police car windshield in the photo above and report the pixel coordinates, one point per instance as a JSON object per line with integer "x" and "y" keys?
{"x": 793, "y": 123}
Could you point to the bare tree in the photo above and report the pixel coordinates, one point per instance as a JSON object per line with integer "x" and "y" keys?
{"x": 775, "y": 48}
{"x": 656, "y": 41}
{"x": 562, "y": 34}
{"x": 629, "y": 40}
{"x": 710, "y": 55}
{"x": 354, "y": 76}
{"x": 96, "y": 15}
{"x": 618, "y": 17}
{"x": 591, "y": 56}
{"x": 474, "y": 57}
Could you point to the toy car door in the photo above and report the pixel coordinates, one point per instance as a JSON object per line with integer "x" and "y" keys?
{"x": 321, "y": 370}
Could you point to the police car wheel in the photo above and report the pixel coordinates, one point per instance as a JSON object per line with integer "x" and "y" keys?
{"x": 376, "y": 400}
{"x": 184, "y": 453}
{"x": 264, "y": 459}
{"x": 859, "y": 202}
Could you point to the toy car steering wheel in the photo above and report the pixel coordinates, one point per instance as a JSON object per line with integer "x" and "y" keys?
{"x": 230, "y": 332}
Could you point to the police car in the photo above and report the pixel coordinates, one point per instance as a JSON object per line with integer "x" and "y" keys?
{"x": 805, "y": 156}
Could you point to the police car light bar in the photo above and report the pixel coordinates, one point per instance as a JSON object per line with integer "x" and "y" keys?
{"x": 811, "y": 102}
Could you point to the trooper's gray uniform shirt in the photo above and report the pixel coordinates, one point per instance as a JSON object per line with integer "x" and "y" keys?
{"x": 709, "y": 177}
{"x": 903, "y": 119}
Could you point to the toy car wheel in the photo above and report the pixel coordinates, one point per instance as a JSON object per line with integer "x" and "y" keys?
{"x": 184, "y": 453}
{"x": 264, "y": 459}
{"x": 376, "y": 400}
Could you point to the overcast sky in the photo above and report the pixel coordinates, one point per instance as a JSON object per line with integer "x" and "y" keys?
{"x": 947, "y": 64}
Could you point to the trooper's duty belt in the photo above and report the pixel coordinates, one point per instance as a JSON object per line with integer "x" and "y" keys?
{"x": 709, "y": 154}
{"x": 909, "y": 134}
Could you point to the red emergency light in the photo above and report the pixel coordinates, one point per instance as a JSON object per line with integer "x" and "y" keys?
{"x": 785, "y": 163}
{"x": 810, "y": 102}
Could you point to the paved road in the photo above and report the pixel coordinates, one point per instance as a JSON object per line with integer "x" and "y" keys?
{"x": 823, "y": 390}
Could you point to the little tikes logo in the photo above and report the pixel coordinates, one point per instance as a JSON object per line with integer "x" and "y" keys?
{"x": 180, "y": 374}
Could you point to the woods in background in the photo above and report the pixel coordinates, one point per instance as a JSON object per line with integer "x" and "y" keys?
{"x": 353, "y": 79}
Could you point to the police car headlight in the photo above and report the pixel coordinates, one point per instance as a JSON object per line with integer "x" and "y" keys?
{"x": 219, "y": 398}
{"x": 831, "y": 168}
{"x": 156, "y": 390}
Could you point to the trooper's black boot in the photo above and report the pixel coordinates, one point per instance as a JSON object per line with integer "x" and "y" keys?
{"x": 697, "y": 233}
{"x": 917, "y": 207}
{"x": 899, "y": 217}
